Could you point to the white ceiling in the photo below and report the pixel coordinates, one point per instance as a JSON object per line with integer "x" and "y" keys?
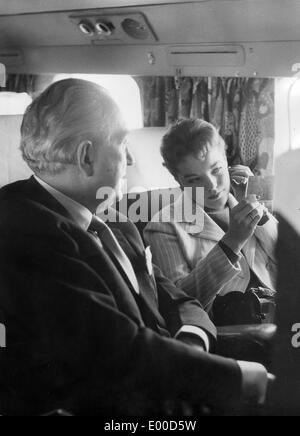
{"x": 214, "y": 21}
{"x": 28, "y": 6}
{"x": 267, "y": 30}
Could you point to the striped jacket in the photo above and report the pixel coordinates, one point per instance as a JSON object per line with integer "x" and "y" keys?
{"x": 191, "y": 257}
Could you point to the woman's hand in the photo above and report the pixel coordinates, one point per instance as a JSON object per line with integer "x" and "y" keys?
{"x": 244, "y": 219}
{"x": 239, "y": 175}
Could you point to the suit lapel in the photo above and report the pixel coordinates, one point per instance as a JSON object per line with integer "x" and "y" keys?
{"x": 211, "y": 230}
{"x": 208, "y": 229}
{"x": 116, "y": 282}
{"x": 134, "y": 249}
{"x": 249, "y": 252}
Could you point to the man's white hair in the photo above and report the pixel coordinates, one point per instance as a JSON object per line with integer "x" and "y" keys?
{"x": 61, "y": 118}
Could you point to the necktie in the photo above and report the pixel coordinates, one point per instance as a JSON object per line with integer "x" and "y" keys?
{"x": 103, "y": 233}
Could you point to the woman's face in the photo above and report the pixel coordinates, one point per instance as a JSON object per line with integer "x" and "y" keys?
{"x": 209, "y": 171}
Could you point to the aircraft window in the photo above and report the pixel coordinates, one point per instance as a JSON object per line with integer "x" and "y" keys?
{"x": 294, "y": 110}
{"x": 12, "y": 103}
{"x": 124, "y": 90}
{"x": 287, "y": 109}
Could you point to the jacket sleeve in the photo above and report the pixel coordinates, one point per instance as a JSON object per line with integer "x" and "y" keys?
{"x": 179, "y": 309}
{"x": 71, "y": 346}
{"x": 204, "y": 281}
{"x": 268, "y": 237}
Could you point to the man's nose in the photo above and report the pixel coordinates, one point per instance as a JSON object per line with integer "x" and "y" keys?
{"x": 130, "y": 158}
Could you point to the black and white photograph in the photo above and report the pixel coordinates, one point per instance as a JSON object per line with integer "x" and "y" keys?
{"x": 149, "y": 211}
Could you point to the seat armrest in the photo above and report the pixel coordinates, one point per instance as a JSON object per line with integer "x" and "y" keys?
{"x": 248, "y": 342}
{"x": 262, "y": 333}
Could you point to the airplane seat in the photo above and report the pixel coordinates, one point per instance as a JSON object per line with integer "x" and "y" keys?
{"x": 147, "y": 173}
{"x": 141, "y": 207}
{"x": 12, "y": 166}
{"x": 149, "y": 184}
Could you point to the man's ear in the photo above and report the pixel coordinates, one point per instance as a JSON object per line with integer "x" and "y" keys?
{"x": 86, "y": 158}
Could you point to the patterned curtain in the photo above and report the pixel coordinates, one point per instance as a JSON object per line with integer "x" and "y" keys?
{"x": 29, "y": 83}
{"x": 241, "y": 109}
{"x": 20, "y": 83}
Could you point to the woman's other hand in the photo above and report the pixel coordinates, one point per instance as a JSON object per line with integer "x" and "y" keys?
{"x": 244, "y": 219}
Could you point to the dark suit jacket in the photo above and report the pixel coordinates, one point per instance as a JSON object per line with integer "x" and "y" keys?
{"x": 78, "y": 337}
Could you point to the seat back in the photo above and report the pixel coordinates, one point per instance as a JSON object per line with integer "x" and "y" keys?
{"x": 150, "y": 186}
{"x": 141, "y": 207}
{"x": 148, "y": 172}
{"x": 12, "y": 166}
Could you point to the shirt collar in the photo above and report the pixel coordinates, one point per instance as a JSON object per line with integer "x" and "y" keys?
{"x": 80, "y": 214}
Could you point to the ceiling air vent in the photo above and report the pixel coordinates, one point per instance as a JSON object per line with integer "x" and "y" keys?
{"x": 135, "y": 29}
{"x": 206, "y": 56}
{"x": 128, "y": 28}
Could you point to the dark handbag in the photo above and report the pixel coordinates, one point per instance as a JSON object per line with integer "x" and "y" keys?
{"x": 255, "y": 306}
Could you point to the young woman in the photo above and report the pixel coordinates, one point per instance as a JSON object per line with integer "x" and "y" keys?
{"x": 231, "y": 252}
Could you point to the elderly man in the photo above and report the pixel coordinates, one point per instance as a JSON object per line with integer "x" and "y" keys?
{"x": 90, "y": 327}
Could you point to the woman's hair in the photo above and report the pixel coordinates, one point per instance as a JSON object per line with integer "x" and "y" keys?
{"x": 191, "y": 137}
{"x": 64, "y": 115}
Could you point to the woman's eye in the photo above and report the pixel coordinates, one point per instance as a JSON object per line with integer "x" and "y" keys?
{"x": 217, "y": 170}
{"x": 195, "y": 181}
